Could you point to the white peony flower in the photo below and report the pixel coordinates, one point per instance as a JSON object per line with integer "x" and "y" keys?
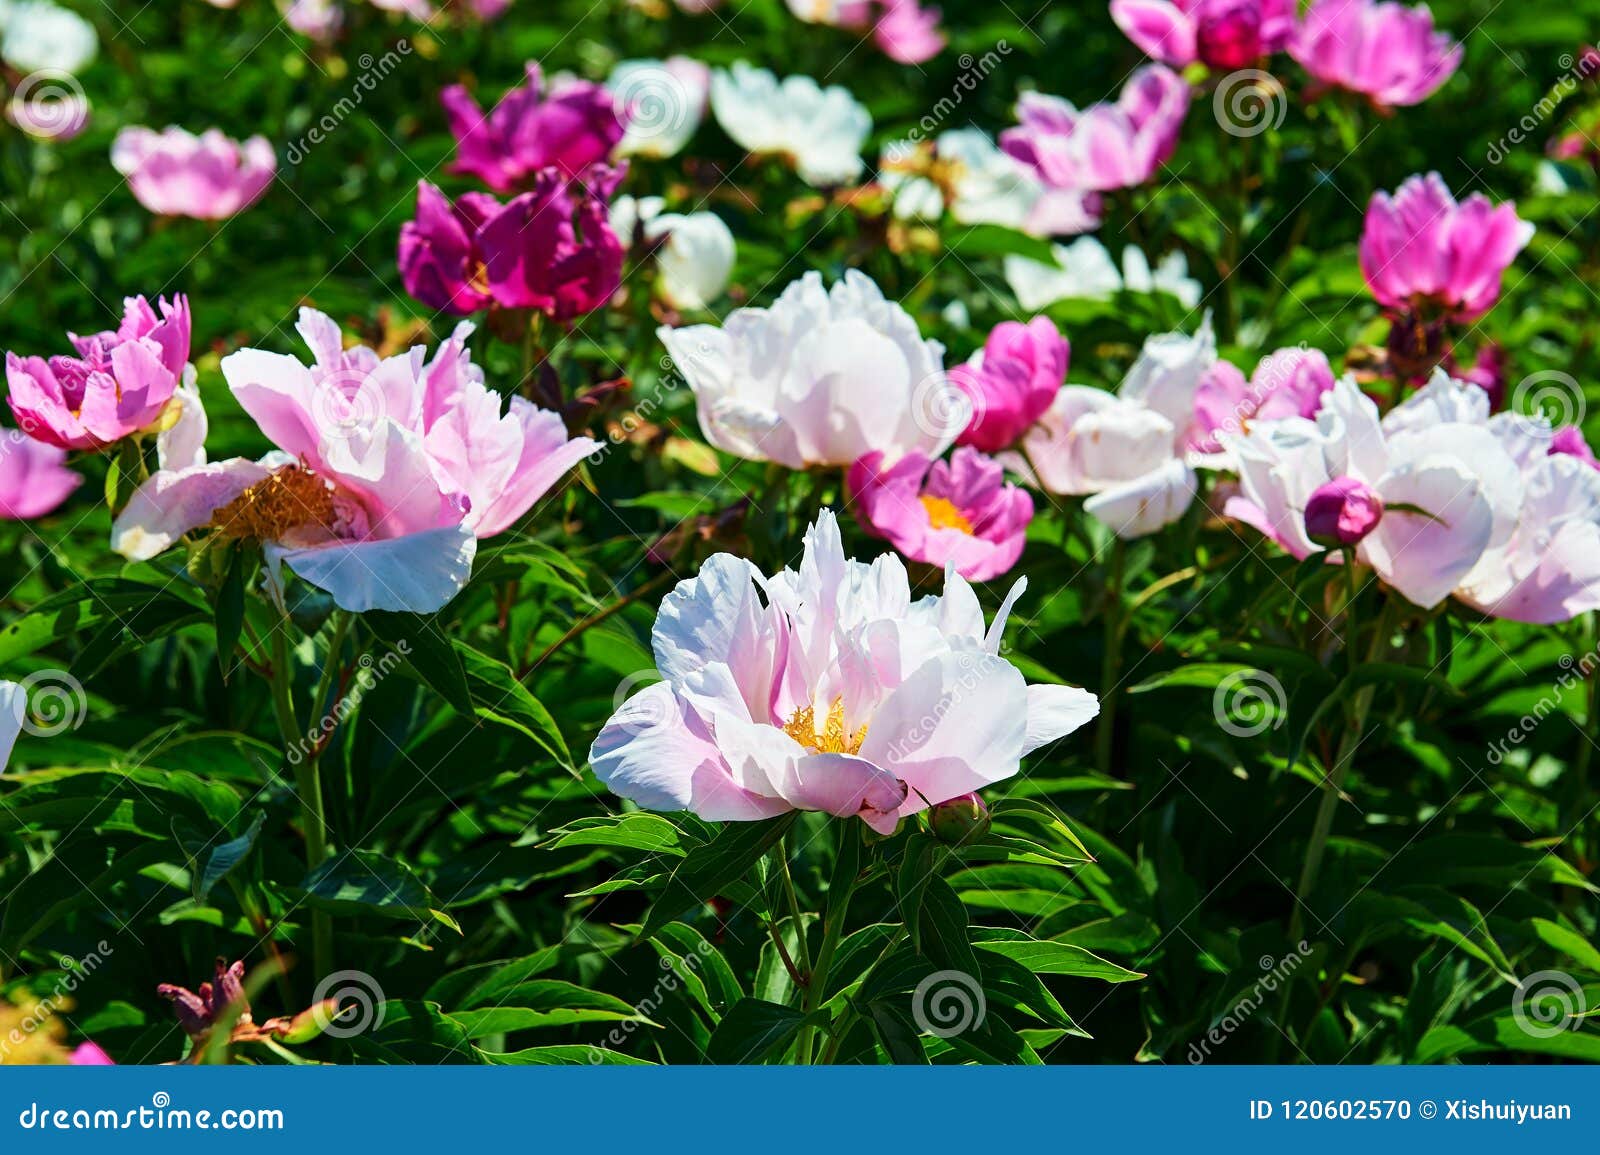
{"x": 665, "y": 101}
{"x": 697, "y": 250}
{"x": 1084, "y": 270}
{"x": 821, "y": 130}
{"x": 38, "y": 36}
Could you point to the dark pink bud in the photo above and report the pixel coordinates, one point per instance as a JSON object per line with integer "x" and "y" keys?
{"x": 1341, "y": 512}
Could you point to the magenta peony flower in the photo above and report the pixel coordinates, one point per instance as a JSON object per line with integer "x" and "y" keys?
{"x": 959, "y": 513}
{"x": 1288, "y": 383}
{"x": 826, "y": 688}
{"x": 34, "y": 478}
{"x": 572, "y": 128}
{"x": 119, "y": 383}
{"x": 1105, "y": 146}
{"x": 1420, "y": 250}
{"x": 1012, "y": 380}
{"x": 209, "y": 177}
{"x": 551, "y": 249}
{"x": 1569, "y": 441}
{"x": 1341, "y": 512}
{"x": 90, "y": 1054}
{"x": 1223, "y": 34}
{"x": 1388, "y": 53}
{"x": 907, "y": 32}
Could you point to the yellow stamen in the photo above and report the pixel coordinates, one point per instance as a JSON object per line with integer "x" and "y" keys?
{"x": 291, "y": 498}
{"x": 942, "y": 514}
{"x": 834, "y": 738}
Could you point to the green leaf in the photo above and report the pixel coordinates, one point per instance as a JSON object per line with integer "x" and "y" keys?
{"x": 708, "y": 869}
{"x": 497, "y": 695}
{"x": 229, "y": 616}
{"x": 753, "y": 1030}
{"x": 1569, "y": 942}
{"x": 224, "y": 858}
{"x": 944, "y": 929}
{"x": 427, "y": 651}
{"x": 490, "y": 982}
{"x": 562, "y": 1055}
{"x": 647, "y": 832}
{"x": 1043, "y": 956}
{"x": 363, "y": 882}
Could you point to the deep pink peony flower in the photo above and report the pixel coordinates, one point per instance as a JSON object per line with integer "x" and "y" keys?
{"x": 209, "y": 177}
{"x": 1223, "y": 34}
{"x": 1341, "y": 512}
{"x": 1388, "y": 53}
{"x": 572, "y": 128}
{"x": 959, "y": 512}
{"x": 34, "y": 478}
{"x": 90, "y": 1054}
{"x": 1288, "y": 383}
{"x": 1011, "y": 381}
{"x": 118, "y": 384}
{"x": 1420, "y": 250}
{"x": 1569, "y": 441}
{"x": 1105, "y": 146}
{"x": 551, "y": 249}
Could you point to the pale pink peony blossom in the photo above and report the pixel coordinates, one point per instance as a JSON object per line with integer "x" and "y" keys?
{"x": 1386, "y": 52}
{"x": 1421, "y": 250}
{"x": 826, "y": 689}
{"x": 959, "y": 512}
{"x": 34, "y": 478}
{"x": 209, "y": 177}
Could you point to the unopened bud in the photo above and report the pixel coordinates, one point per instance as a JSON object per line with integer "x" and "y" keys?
{"x": 960, "y": 820}
{"x": 1341, "y": 512}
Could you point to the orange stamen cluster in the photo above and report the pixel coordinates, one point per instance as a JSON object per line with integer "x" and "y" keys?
{"x": 942, "y": 514}
{"x": 833, "y": 738}
{"x": 292, "y": 498}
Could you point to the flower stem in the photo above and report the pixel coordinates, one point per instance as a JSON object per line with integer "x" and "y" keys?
{"x": 832, "y": 930}
{"x": 1111, "y": 658}
{"x": 308, "y": 785}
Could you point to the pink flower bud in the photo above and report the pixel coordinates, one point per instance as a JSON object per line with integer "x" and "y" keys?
{"x": 1341, "y": 512}
{"x": 959, "y": 821}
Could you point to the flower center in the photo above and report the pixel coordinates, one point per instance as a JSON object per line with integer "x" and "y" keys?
{"x": 943, "y": 514}
{"x": 291, "y": 498}
{"x": 833, "y": 738}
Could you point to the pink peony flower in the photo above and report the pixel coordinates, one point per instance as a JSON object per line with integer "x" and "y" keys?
{"x": 1569, "y": 441}
{"x": 551, "y": 249}
{"x": 1422, "y": 251}
{"x": 34, "y": 478}
{"x": 908, "y": 33}
{"x": 1223, "y": 34}
{"x": 572, "y": 128}
{"x": 1288, "y": 383}
{"x": 386, "y": 471}
{"x": 1388, "y": 53}
{"x": 90, "y": 1054}
{"x": 209, "y": 177}
{"x": 1105, "y": 146}
{"x": 1011, "y": 381}
{"x": 826, "y": 689}
{"x": 1341, "y": 512}
{"x": 959, "y": 513}
{"x": 119, "y": 383}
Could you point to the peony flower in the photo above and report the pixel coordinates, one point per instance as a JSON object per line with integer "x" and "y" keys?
{"x": 823, "y": 377}
{"x": 38, "y": 36}
{"x": 694, "y": 252}
{"x": 1222, "y": 34}
{"x": 1288, "y": 383}
{"x": 318, "y": 19}
{"x": 1105, "y": 146}
{"x": 1421, "y": 250}
{"x": 13, "y": 716}
{"x": 34, "y": 478}
{"x": 1011, "y": 381}
{"x": 119, "y": 384}
{"x": 908, "y": 33}
{"x": 1569, "y": 440}
{"x": 386, "y": 471}
{"x": 663, "y": 102}
{"x": 959, "y": 513}
{"x": 1084, "y": 270}
{"x": 90, "y": 1054}
{"x": 1382, "y": 50}
{"x": 826, "y": 689}
{"x": 551, "y": 249}
{"x": 1341, "y": 512}
{"x": 572, "y": 128}
{"x": 1475, "y": 507}
{"x": 209, "y": 177}
{"x": 819, "y": 130}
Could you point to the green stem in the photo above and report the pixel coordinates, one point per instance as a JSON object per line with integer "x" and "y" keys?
{"x": 308, "y": 784}
{"x": 1111, "y": 659}
{"x": 832, "y": 931}
{"x": 841, "y": 1026}
{"x": 781, "y": 857}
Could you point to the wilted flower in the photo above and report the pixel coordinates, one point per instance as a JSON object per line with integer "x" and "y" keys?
{"x": 1011, "y": 381}
{"x": 826, "y": 689}
{"x": 823, "y": 377}
{"x": 663, "y": 102}
{"x": 1384, "y": 51}
{"x": 959, "y": 512}
{"x": 387, "y": 471}
{"x": 34, "y": 478}
{"x": 1223, "y": 34}
{"x": 694, "y": 252}
{"x": 120, "y": 383}
{"x": 1104, "y": 146}
{"x": 198, "y": 1011}
{"x": 819, "y": 130}
{"x": 209, "y": 177}
{"x": 571, "y": 128}
{"x": 1341, "y": 512}
{"x": 1422, "y": 251}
